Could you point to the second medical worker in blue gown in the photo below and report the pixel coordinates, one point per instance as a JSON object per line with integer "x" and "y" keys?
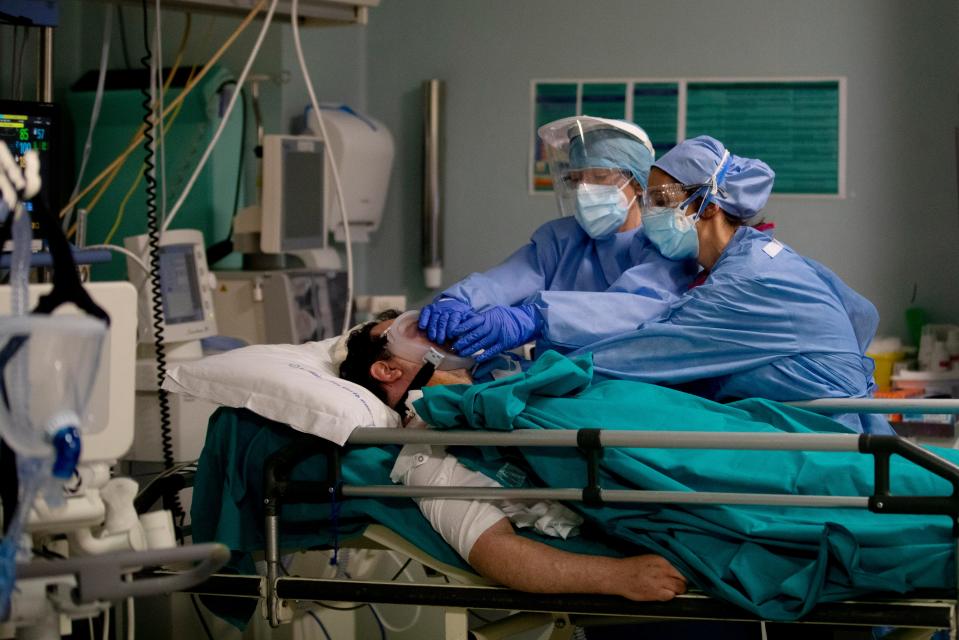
{"x": 586, "y": 276}
{"x": 766, "y": 322}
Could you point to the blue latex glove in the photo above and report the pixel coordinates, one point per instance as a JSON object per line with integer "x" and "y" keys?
{"x": 497, "y": 329}
{"x": 441, "y": 318}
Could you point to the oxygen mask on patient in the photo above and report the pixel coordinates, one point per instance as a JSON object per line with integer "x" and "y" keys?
{"x": 405, "y": 340}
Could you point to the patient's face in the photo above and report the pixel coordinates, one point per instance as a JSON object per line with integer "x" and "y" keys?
{"x": 408, "y": 369}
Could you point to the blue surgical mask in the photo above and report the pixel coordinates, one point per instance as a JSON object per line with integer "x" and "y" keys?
{"x": 672, "y": 232}
{"x": 601, "y": 209}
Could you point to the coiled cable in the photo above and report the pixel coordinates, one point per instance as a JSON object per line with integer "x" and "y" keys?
{"x": 153, "y": 243}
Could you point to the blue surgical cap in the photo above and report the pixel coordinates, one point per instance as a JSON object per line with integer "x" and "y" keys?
{"x": 611, "y": 149}
{"x": 747, "y": 183}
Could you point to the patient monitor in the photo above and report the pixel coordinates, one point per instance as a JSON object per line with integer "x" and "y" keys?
{"x": 185, "y": 283}
{"x": 188, "y": 315}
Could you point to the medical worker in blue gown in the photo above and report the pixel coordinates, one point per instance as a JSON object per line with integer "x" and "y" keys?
{"x": 589, "y": 275}
{"x": 765, "y": 322}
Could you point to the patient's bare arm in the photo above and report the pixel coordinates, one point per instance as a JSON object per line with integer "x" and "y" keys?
{"x": 526, "y": 565}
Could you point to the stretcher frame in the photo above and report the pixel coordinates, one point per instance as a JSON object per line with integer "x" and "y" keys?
{"x": 929, "y": 610}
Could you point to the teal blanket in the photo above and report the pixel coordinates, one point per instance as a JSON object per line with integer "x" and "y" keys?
{"x": 227, "y": 505}
{"x": 775, "y": 561}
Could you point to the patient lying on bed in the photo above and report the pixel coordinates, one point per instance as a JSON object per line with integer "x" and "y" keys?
{"x": 482, "y": 532}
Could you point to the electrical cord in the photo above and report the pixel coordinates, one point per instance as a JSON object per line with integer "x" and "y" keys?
{"x": 313, "y": 615}
{"x": 478, "y": 616}
{"x": 153, "y": 242}
{"x": 401, "y": 569}
{"x": 336, "y": 608}
{"x": 123, "y": 37}
{"x": 325, "y": 605}
{"x": 138, "y": 137}
{"x": 23, "y": 49}
{"x": 419, "y": 609}
{"x": 121, "y": 210}
{"x": 219, "y": 250}
{"x": 112, "y": 247}
{"x": 13, "y": 61}
{"x": 97, "y": 104}
{"x": 199, "y": 615}
{"x": 298, "y": 46}
{"x": 376, "y": 616}
{"x": 161, "y": 89}
{"x": 267, "y": 20}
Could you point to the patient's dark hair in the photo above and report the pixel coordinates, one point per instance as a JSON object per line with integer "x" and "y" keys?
{"x": 362, "y": 350}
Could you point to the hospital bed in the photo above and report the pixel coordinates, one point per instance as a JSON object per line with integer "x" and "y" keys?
{"x": 282, "y": 492}
{"x": 305, "y": 492}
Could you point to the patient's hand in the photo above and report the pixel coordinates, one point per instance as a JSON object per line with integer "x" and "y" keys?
{"x": 524, "y": 564}
{"x": 647, "y": 577}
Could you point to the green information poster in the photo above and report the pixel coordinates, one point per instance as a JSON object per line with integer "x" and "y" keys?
{"x": 792, "y": 126}
{"x": 552, "y": 102}
{"x": 605, "y": 100}
{"x": 656, "y": 109}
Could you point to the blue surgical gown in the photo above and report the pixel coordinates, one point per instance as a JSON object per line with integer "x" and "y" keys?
{"x": 766, "y": 323}
{"x": 585, "y": 289}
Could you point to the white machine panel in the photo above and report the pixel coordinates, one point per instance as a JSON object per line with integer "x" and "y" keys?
{"x": 186, "y": 283}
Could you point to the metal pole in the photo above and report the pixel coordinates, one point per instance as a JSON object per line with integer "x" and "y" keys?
{"x": 610, "y": 438}
{"x": 608, "y": 495}
{"x": 879, "y": 405}
{"x": 272, "y": 565}
{"x": 432, "y": 224}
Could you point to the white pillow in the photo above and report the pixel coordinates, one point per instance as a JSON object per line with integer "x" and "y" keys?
{"x": 292, "y": 384}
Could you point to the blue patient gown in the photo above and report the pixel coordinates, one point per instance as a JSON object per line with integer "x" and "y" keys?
{"x": 767, "y": 323}
{"x": 586, "y": 289}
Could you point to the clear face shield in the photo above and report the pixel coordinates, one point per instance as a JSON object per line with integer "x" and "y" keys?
{"x": 405, "y": 340}
{"x": 579, "y": 157}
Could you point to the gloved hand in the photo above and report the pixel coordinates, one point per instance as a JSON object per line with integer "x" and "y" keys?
{"x": 441, "y": 318}
{"x": 498, "y": 329}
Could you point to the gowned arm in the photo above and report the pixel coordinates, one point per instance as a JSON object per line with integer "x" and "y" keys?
{"x": 526, "y": 565}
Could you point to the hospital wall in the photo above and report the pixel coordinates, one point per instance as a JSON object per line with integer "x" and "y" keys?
{"x": 77, "y": 48}
{"x": 897, "y": 230}
{"x": 335, "y": 55}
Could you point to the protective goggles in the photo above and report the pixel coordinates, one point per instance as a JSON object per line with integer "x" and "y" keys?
{"x": 672, "y": 196}
{"x": 405, "y": 340}
{"x": 573, "y": 178}
{"x": 680, "y": 196}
